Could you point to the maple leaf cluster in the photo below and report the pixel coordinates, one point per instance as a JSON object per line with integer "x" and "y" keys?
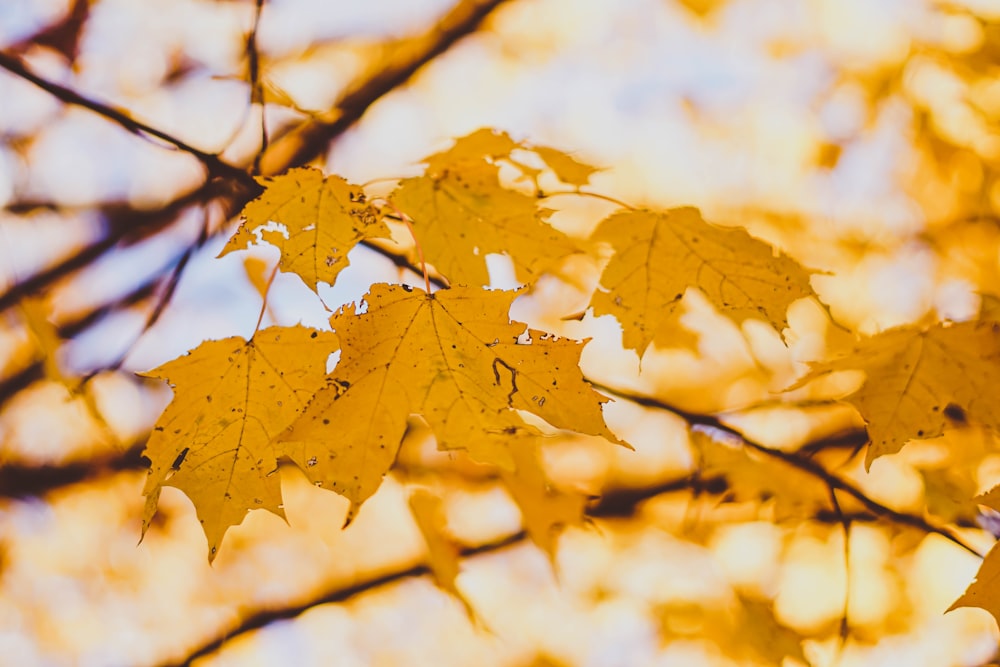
{"x": 454, "y": 358}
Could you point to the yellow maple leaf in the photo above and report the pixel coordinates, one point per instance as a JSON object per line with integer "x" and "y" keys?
{"x": 566, "y": 168}
{"x": 455, "y": 358}
{"x": 984, "y": 592}
{"x": 324, "y": 218}
{"x": 493, "y": 145}
{"x": 545, "y": 510}
{"x": 442, "y": 552}
{"x": 461, "y": 213}
{"x": 919, "y": 379}
{"x": 658, "y": 255}
{"x": 482, "y": 144}
{"x": 948, "y": 493}
{"x": 231, "y": 398}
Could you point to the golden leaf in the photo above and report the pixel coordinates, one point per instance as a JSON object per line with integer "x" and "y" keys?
{"x": 545, "y": 510}
{"x": 658, "y": 255}
{"x": 461, "y": 212}
{"x": 482, "y": 144}
{"x": 324, "y": 219}
{"x": 462, "y": 215}
{"x": 231, "y": 397}
{"x": 442, "y": 552}
{"x": 455, "y": 358}
{"x": 984, "y": 592}
{"x": 920, "y": 380}
{"x": 566, "y": 168}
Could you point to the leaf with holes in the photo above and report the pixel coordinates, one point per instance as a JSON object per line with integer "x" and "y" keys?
{"x": 323, "y": 219}
{"x": 231, "y": 398}
{"x": 453, "y": 357}
{"x": 461, "y": 213}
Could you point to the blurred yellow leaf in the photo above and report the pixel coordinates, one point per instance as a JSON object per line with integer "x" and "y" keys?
{"x": 47, "y": 340}
{"x": 752, "y": 477}
{"x": 658, "y": 255}
{"x": 949, "y": 493}
{"x": 545, "y": 510}
{"x": 442, "y": 553}
{"x": 919, "y": 379}
{"x": 566, "y": 168}
{"x": 746, "y": 629}
{"x": 257, "y": 274}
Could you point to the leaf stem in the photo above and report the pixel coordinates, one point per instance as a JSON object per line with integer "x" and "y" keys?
{"x": 416, "y": 242}
{"x": 263, "y": 301}
{"x": 584, "y": 193}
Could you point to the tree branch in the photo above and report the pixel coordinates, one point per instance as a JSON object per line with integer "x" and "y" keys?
{"x": 465, "y": 18}
{"x": 311, "y": 139}
{"x": 259, "y": 619}
{"x": 615, "y": 503}
{"x": 127, "y": 223}
{"x": 21, "y": 481}
{"x": 216, "y": 168}
{"x": 799, "y": 462}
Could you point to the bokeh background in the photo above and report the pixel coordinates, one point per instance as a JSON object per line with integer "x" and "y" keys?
{"x": 860, "y": 136}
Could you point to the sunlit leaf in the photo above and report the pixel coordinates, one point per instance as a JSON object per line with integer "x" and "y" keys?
{"x": 659, "y": 255}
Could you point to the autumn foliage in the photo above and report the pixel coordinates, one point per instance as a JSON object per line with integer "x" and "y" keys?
{"x": 569, "y": 403}
{"x": 453, "y": 357}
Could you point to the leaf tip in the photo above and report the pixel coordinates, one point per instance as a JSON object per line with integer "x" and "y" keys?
{"x": 352, "y": 512}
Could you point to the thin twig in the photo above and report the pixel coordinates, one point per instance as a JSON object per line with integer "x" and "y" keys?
{"x": 215, "y": 166}
{"x": 161, "y": 304}
{"x": 845, "y": 524}
{"x": 263, "y": 298}
{"x": 615, "y": 503}
{"x": 256, "y": 86}
{"x": 465, "y": 18}
{"x": 797, "y": 461}
{"x": 125, "y": 225}
{"x": 311, "y": 138}
{"x": 416, "y": 243}
{"x": 22, "y": 481}
{"x": 259, "y": 619}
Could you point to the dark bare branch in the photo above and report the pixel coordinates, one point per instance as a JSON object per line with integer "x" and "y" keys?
{"x": 798, "y": 461}
{"x": 461, "y": 21}
{"x": 259, "y": 619}
{"x": 256, "y": 85}
{"x": 63, "y": 35}
{"x": 615, "y": 503}
{"x": 21, "y": 481}
{"x": 216, "y": 168}
{"x": 311, "y": 141}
